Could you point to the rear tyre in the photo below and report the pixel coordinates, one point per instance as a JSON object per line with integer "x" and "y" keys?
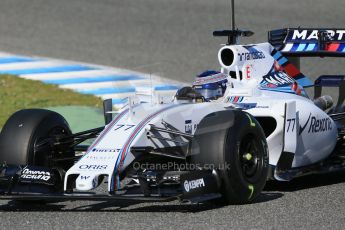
{"x": 23, "y": 130}
{"x": 234, "y": 143}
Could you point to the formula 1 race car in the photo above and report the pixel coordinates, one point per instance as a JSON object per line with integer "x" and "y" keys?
{"x": 211, "y": 141}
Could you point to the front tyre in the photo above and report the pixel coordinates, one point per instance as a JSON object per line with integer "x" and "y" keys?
{"x": 235, "y": 144}
{"x": 23, "y": 130}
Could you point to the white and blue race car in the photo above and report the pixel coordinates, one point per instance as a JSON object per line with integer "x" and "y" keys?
{"x": 222, "y": 138}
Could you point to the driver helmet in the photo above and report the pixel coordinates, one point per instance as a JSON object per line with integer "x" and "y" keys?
{"x": 210, "y": 84}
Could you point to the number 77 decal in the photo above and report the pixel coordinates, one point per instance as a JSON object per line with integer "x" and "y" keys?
{"x": 291, "y": 126}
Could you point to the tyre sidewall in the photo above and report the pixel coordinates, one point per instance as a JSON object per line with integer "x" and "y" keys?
{"x": 22, "y": 130}
{"x": 236, "y": 188}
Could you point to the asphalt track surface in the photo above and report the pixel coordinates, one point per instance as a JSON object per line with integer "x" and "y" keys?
{"x": 172, "y": 39}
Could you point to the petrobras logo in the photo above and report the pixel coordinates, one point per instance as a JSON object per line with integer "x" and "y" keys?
{"x": 313, "y": 35}
{"x": 193, "y": 184}
{"x": 35, "y": 174}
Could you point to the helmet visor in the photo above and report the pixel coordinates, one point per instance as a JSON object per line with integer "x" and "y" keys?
{"x": 210, "y": 93}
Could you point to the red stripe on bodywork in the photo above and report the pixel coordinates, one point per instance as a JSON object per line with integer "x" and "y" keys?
{"x": 131, "y": 138}
{"x": 333, "y": 47}
{"x": 138, "y": 129}
{"x": 291, "y": 70}
{"x": 117, "y": 118}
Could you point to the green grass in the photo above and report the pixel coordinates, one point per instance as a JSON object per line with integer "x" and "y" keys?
{"x": 17, "y": 93}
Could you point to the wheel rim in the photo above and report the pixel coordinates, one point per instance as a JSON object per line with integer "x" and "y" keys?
{"x": 251, "y": 158}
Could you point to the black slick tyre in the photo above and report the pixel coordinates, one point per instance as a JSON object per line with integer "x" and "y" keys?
{"x": 233, "y": 143}
{"x": 23, "y": 130}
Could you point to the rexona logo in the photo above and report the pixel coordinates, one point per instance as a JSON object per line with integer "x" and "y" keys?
{"x": 316, "y": 125}
{"x": 320, "y": 125}
{"x": 298, "y": 35}
{"x": 193, "y": 184}
{"x": 93, "y": 167}
{"x": 35, "y": 174}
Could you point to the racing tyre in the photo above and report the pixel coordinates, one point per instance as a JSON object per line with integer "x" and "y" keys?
{"x": 23, "y": 130}
{"x": 234, "y": 144}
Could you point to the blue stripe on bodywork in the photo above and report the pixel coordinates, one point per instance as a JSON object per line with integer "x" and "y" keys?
{"x": 118, "y": 101}
{"x": 304, "y": 82}
{"x": 94, "y": 79}
{"x": 294, "y": 47}
{"x": 133, "y": 135}
{"x": 282, "y": 61}
{"x": 279, "y": 89}
{"x": 341, "y": 48}
{"x": 165, "y": 87}
{"x": 301, "y": 47}
{"x": 14, "y": 59}
{"x": 104, "y": 132}
{"x": 277, "y": 55}
{"x": 107, "y": 90}
{"x": 251, "y": 49}
{"x": 311, "y": 47}
{"x": 57, "y": 69}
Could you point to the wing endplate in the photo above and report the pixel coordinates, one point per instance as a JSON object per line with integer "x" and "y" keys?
{"x": 313, "y": 42}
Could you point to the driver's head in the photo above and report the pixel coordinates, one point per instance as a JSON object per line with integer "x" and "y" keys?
{"x": 210, "y": 84}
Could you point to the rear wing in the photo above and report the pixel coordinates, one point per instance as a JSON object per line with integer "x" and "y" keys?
{"x": 301, "y": 42}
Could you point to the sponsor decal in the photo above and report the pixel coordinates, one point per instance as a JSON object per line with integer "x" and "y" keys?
{"x": 93, "y": 167}
{"x": 316, "y": 125}
{"x": 313, "y": 35}
{"x": 99, "y": 150}
{"x": 100, "y": 158}
{"x": 102, "y": 154}
{"x": 246, "y": 106}
{"x": 210, "y": 79}
{"x": 248, "y": 71}
{"x": 97, "y": 157}
{"x": 188, "y": 127}
{"x": 281, "y": 82}
{"x": 35, "y": 174}
{"x": 84, "y": 177}
{"x": 262, "y": 107}
{"x": 193, "y": 184}
{"x": 320, "y": 125}
{"x": 276, "y": 79}
{"x": 252, "y": 55}
{"x": 233, "y": 99}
